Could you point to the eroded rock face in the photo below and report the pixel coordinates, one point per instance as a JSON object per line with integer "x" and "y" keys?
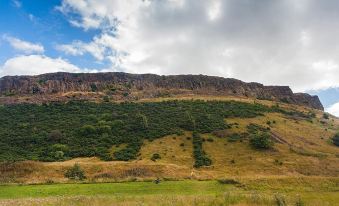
{"x": 124, "y": 86}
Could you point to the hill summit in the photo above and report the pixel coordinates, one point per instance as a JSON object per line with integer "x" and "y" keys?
{"x": 124, "y": 86}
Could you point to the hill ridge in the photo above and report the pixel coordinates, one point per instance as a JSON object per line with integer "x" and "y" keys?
{"x": 126, "y": 86}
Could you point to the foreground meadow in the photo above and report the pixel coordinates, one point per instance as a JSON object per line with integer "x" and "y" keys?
{"x": 188, "y": 192}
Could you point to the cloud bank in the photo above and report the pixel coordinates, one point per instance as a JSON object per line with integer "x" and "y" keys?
{"x": 334, "y": 109}
{"x": 35, "y": 64}
{"x": 283, "y": 42}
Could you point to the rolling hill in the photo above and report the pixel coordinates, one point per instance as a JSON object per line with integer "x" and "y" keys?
{"x": 125, "y": 127}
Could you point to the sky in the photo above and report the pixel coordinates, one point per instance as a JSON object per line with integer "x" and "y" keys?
{"x": 274, "y": 42}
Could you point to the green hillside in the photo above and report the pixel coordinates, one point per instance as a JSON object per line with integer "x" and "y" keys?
{"x": 59, "y": 131}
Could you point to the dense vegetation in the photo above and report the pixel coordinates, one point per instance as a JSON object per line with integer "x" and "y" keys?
{"x": 260, "y": 137}
{"x": 59, "y": 131}
{"x": 200, "y": 157}
{"x": 75, "y": 173}
{"x": 261, "y": 140}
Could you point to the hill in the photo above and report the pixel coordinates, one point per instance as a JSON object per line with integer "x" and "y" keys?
{"x": 123, "y": 127}
{"x": 194, "y": 135}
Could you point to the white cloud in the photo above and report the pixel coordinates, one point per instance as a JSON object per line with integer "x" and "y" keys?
{"x": 334, "y": 109}
{"x": 274, "y": 42}
{"x": 214, "y": 10}
{"x": 74, "y": 49}
{"x": 102, "y": 47}
{"x": 24, "y": 46}
{"x": 35, "y": 64}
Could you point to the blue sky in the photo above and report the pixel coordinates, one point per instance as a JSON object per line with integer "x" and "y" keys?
{"x": 38, "y": 21}
{"x": 283, "y": 42}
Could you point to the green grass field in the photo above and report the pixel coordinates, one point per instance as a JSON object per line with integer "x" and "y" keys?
{"x": 165, "y": 193}
{"x": 126, "y": 188}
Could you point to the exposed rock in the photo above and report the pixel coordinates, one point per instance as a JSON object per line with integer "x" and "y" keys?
{"x": 124, "y": 86}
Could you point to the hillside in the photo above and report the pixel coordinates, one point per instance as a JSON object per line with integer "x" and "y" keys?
{"x": 255, "y": 145}
{"x": 136, "y": 131}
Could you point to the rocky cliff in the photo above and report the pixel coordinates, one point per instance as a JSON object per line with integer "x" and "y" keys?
{"x": 124, "y": 86}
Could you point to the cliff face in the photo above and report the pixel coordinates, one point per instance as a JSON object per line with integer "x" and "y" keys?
{"x": 123, "y": 86}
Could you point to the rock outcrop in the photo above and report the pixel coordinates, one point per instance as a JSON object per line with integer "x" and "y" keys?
{"x": 124, "y": 86}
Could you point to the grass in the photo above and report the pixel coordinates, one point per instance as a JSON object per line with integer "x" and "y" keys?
{"x": 121, "y": 189}
{"x": 170, "y": 150}
{"x": 165, "y": 193}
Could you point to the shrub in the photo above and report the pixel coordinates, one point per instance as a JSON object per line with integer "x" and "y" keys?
{"x": 75, "y": 173}
{"x": 335, "y": 140}
{"x": 94, "y": 87}
{"x": 254, "y": 128}
{"x": 326, "y": 116}
{"x": 261, "y": 140}
{"x": 179, "y": 132}
{"x": 233, "y": 137}
{"x": 278, "y": 162}
{"x": 228, "y": 181}
{"x": 126, "y": 154}
{"x": 87, "y": 130}
{"x": 155, "y": 157}
{"x": 105, "y": 99}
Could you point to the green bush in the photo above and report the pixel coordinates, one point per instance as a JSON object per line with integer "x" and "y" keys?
{"x": 155, "y": 157}
{"x": 326, "y": 116}
{"x": 75, "y": 173}
{"x": 335, "y": 139}
{"x": 234, "y": 137}
{"x": 261, "y": 140}
{"x": 94, "y": 87}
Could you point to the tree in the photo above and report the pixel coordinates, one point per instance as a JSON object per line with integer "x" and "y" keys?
{"x": 88, "y": 130}
{"x": 261, "y": 140}
{"x": 75, "y": 173}
{"x": 58, "y": 151}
